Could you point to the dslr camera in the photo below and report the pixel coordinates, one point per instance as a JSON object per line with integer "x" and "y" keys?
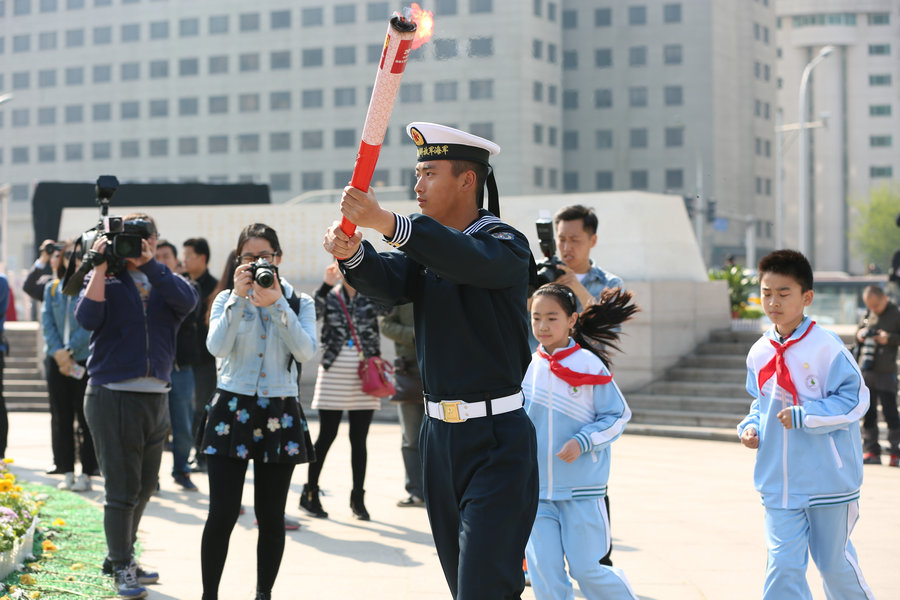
{"x": 263, "y": 272}
{"x": 868, "y": 349}
{"x": 124, "y": 239}
{"x": 51, "y": 247}
{"x": 548, "y": 269}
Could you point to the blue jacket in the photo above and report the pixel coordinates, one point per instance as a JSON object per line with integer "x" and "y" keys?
{"x": 254, "y": 345}
{"x": 593, "y": 415}
{"x": 124, "y": 342}
{"x": 819, "y": 461}
{"x": 58, "y": 307}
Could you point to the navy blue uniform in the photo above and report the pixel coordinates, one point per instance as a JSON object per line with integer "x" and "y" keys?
{"x": 469, "y": 291}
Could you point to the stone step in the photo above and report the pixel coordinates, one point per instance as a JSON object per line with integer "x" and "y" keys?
{"x": 707, "y": 375}
{"x": 19, "y": 373}
{"x": 719, "y": 434}
{"x": 28, "y": 404}
{"x": 743, "y": 337}
{"x": 723, "y": 349}
{"x": 640, "y": 416}
{"x": 713, "y": 361}
{"x": 677, "y": 403}
{"x": 697, "y": 388}
{"x": 11, "y": 387}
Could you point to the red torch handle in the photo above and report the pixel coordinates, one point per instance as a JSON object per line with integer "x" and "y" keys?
{"x": 366, "y": 159}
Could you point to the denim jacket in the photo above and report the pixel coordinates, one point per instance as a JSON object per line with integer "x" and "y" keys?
{"x": 254, "y": 345}
{"x": 58, "y": 307}
{"x": 596, "y": 280}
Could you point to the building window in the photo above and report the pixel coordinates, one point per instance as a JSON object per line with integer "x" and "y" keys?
{"x": 481, "y": 6}
{"x": 101, "y": 111}
{"x": 637, "y": 15}
{"x": 46, "y": 78}
{"x": 551, "y": 95}
{"x": 48, "y": 6}
{"x": 378, "y": 11}
{"x": 248, "y": 22}
{"x": 312, "y": 57}
{"x": 603, "y": 57}
{"x": 280, "y": 19}
{"x": 248, "y": 62}
{"x": 218, "y": 65}
{"x": 483, "y": 129}
{"x": 102, "y": 35}
{"x": 189, "y": 27}
{"x": 188, "y": 107}
{"x": 445, "y": 91}
{"x": 159, "y": 147}
{"x": 602, "y": 17}
{"x": 444, "y": 48}
{"x": 218, "y": 24}
{"x": 880, "y": 110}
{"x": 21, "y": 7}
{"x": 345, "y": 96}
{"x": 129, "y": 149}
{"x": 538, "y": 134}
{"x": 570, "y": 99}
{"x": 345, "y": 55}
{"x": 46, "y": 41}
{"x": 373, "y": 53}
{"x": 880, "y": 141}
{"x": 218, "y": 144}
{"x": 551, "y": 53}
{"x": 279, "y": 141}
{"x": 879, "y": 18}
{"x": 248, "y": 103}
{"x": 603, "y": 98}
{"x": 312, "y": 139}
{"x": 603, "y": 139}
{"x": 20, "y": 117}
{"x": 218, "y": 105}
{"x": 881, "y": 171}
{"x": 344, "y": 138}
{"x": 344, "y": 13}
{"x": 159, "y": 69}
{"x": 311, "y": 17}
{"x": 604, "y": 180}
{"x": 101, "y": 150}
{"x": 159, "y": 30}
{"x": 552, "y": 178}
{"x": 445, "y": 7}
{"x": 481, "y": 89}
{"x": 130, "y": 109}
{"x": 880, "y": 79}
{"x": 538, "y": 176}
{"x": 21, "y": 43}
{"x": 637, "y": 137}
{"x": 74, "y": 38}
{"x": 280, "y": 100}
{"x": 73, "y": 152}
{"x": 672, "y": 54}
{"x": 879, "y": 49}
{"x": 188, "y": 146}
{"x": 637, "y": 56}
{"x": 159, "y": 108}
{"x": 280, "y": 182}
{"x": 312, "y": 98}
{"x": 639, "y": 180}
{"x": 481, "y": 46}
{"x": 673, "y": 95}
{"x": 411, "y": 92}
{"x": 674, "y": 179}
{"x": 537, "y": 91}
{"x": 74, "y": 113}
{"x": 130, "y": 71}
{"x": 188, "y": 67}
{"x": 637, "y": 96}
{"x": 537, "y": 49}
{"x": 570, "y": 140}
{"x": 570, "y": 181}
{"x": 131, "y": 32}
{"x": 311, "y": 180}
{"x": 570, "y": 59}
{"x": 569, "y": 19}
{"x": 248, "y": 142}
{"x": 671, "y": 13}
{"x": 19, "y": 155}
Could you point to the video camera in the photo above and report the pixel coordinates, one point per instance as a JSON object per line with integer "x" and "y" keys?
{"x": 548, "y": 269}
{"x": 124, "y": 239}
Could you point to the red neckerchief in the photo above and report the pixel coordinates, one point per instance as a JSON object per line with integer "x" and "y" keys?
{"x": 568, "y": 375}
{"x": 777, "y": 366}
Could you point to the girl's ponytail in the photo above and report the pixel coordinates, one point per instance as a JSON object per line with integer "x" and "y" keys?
{"x": 597, "y": 326}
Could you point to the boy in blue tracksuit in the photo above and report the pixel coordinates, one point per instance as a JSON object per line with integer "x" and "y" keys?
{"x": 577, "y": 411}
{"x": 804, "y": 420}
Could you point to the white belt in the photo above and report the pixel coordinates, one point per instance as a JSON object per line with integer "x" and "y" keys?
{"x": 457, "y": 411}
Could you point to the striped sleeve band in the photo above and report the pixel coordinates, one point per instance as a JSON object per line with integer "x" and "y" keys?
{"x": 402, "y": 231}
{"x": 354, "y": 260}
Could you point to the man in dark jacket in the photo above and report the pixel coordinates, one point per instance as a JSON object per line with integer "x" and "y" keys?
{"x": 133, "y": 314}
{"x": 879, "y": 336}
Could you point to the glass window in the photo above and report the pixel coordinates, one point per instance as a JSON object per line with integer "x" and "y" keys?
{"x": 537, "y": 91}
{"x": 188, "y": 67}
{"x": 218, "y": 105}
{"x": 188, "y": 106}
{"x": 102, "y": 2}
{"x": 674, "y": 179}
{"x": 570, "y": 59}
{"x": 481, "y": 6}
{"x": 130, "y": 109}
{"x": 570, "y": 99}
{"x": 21, "y": 43}
{"x": 280, "y": 60}
{"x": 46, "y": 40}
{"x": 551, "y": 12}
{"x": 280, "y": 19}
{"x": 551, "y": 53}
{"x": 538, "y": 177}
{"x": 48, "y": 5}
{"x": 312, "y": 98}
{"x": 248, "y": 22}
{"x": 378, "y": 11}
{"x": 881, "y": 171}
{"x": 21, "y": 117}
{"x": 481, "y": 89}
{"x": 671, "y": 13}
{"x": 130, "y": 71}
{"x": 129, "y": 149}
{"x": 443, "y": 49}
{"x": 880, "y": 110}
{"x": 603, "y": 57}
{"x": 344, "y": 13}
{"x": 603, "y": 139}
{"x": 218, "y": 64}
{"x": 279, "y": 141}
{"x": 879, "y": 49}
{"x": 46, "y": 78}
{"x": 537, "y": 49}
{"x": 21, "y": 7}
{"x": 159, "y": 69}
{"x": 603, "y": 98}
{"x": 637, "y": 96}
{"x": 74, "y": 152}
{"x": 218, "y": 144}
{"x": 312, "y": 57}
{"x": 604, "y": 180}
{"x": 345, "y": 55}
{"x": 159, "y": 30}
{"x": 879, "y": 18}
{"x": 311, "y": 180}
{"x": 672, "y": 54}
{"x": 46, "y": 153}
{"x": 74, "y": 75}
{"x": 602, "y": 17}
{"x": 373, "y": 53}
{"x": 280, "y": 100}
{"x": 189, "y": 27}
{"x": 538, "y": 134}
{"x": 345, "y": 96}
{"x": 569, "y": 19}
{"x": 673, "y": 95}
{"x": 249, "y": 62}
{"x": 880, "y": 79}
{"x": 481, "y": 46}
{"x": 102, "y": 35}
{"x": 280, "y": 182}
{"x": 20, "y": 155}
{"x": 411, "y": 92}
{"x": 248, "y": 142}
{"x": 445, "y": 91}
{"x": 22, "y": 80}
{"x": 570, "y": 140}
{"x": 570, "y": 181}
{"x": 312, "y": 139}
{"x": 101, "y": 150}
{"x": 218, "y": 24}
{"x": 74, "y": 38}
{"x": 248, "y": 103}
{"x": 637, "y": 56}
{"x": 74, "y": 113}
{"x": 880, "y": 141}
{"x": 637, "y": 15}
{"x": 188, "y": 146}
{"x": 637, "y": 137}
{"x": 639, "y": 180}
{"x": 159, "y": 147}
{"x": 131, "y": 32}
{"x": 344, "y": 138}
{"x": 674, "y": 137}
{"x": 445, "y": 7}
{"x": 341, "y": 178}
{"x": 311, "y": 17}
{"x": 159, "y": 108}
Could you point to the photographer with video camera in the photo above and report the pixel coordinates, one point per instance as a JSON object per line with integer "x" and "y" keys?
{"x": 133, "y": 306}
{"x": 39, "y": 275}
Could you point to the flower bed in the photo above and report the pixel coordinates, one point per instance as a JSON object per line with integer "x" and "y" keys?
{"x": 18, "y": 520}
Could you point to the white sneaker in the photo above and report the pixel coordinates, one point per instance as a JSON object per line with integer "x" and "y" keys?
{"x": 67, "y": 483}
{"x": 82, "y": 484}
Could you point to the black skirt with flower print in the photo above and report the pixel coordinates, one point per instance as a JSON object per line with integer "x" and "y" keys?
{"x": 272, "y": 430}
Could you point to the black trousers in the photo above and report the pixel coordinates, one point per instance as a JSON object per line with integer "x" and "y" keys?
{"x": 481, "y": 494}
{"x": 329, "y": 421}
{"x": 66, "y": 405}
{"x": 4, "y": 420}
{"x": 888, "y": 401}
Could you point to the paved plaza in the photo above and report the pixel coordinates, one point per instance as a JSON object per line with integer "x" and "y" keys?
{"x": 687, "y": 525}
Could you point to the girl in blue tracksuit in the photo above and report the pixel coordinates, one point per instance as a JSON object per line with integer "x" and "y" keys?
{"x": 577, "y": 411}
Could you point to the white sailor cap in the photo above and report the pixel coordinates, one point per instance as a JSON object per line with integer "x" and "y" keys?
{"x": 439, "y": 142}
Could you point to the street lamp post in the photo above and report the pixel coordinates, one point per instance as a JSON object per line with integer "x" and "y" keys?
{"x": 803, "y": 170}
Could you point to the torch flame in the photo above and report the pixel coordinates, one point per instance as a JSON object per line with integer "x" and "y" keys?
{"x": 424, "y": 20}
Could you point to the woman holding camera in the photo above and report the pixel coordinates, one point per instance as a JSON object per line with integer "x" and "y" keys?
{"x": 257, "y": 333}
{"x": 66, "y": 346}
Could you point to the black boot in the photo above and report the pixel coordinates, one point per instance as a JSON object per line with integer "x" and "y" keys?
{"x": 309, "y": 501}
{"x": 357, "y": 506}
{"x": 263, "y": 595}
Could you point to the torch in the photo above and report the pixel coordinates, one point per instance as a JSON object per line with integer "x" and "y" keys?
{"x": 403, "y": 36}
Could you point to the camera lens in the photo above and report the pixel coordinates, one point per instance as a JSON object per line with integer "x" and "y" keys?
{"x": 264, "y": 277}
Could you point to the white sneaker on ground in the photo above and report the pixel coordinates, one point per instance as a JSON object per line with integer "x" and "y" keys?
{"x": 82, "y": 484}
{"x": 67, "y": 483}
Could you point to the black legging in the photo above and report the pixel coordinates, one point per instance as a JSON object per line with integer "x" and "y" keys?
{"x": 226, "y": 484}
{"x": 329, "y": 420}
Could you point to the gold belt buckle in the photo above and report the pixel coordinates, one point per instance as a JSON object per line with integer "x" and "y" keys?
{"x": 451, "y": 411}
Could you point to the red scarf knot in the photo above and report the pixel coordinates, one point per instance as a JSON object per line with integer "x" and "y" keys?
{"x": 568, "y": 375}
{"x": 778, "y": 367}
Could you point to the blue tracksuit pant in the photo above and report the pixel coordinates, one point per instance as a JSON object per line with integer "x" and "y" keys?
{"x": 576, "y": 531}
{"x": 824, "y": 532}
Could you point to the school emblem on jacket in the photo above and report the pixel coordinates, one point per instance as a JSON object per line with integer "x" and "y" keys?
{"x": 574, "y": 391}
{"x": 812, "y": 382}
{"x": 503, "y": 235}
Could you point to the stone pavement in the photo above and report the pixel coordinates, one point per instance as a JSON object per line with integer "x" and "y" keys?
{"x": 687, "y": 525}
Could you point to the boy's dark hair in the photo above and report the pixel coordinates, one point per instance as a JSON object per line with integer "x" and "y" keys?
{"x": 789, "y": 263}
{"x": 167, "y": 244}
{"x": 576, "y": 212}
{"x": 199, "y": 245}
{"x": 458, "y": 167}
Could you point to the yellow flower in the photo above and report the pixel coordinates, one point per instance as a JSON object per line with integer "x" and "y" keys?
{"x": 27, "y": 579}
{"x": 17, "y": 488}
{"x": 5, "y": 485}
{"x": 49, "y": 546}
{"x": 70, "y": 578}
{"x": 59, "y": 523}
{"x": 9, "y": 476}
{"x": 8, "y": 461}
{"x": 34, "y": 595}
{"x": 77, "y": 567}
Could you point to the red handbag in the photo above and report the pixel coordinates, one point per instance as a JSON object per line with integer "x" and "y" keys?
{"x": 374, "y": 372}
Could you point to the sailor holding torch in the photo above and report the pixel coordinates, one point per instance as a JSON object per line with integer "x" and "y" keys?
{"x": 466, "y": 273}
